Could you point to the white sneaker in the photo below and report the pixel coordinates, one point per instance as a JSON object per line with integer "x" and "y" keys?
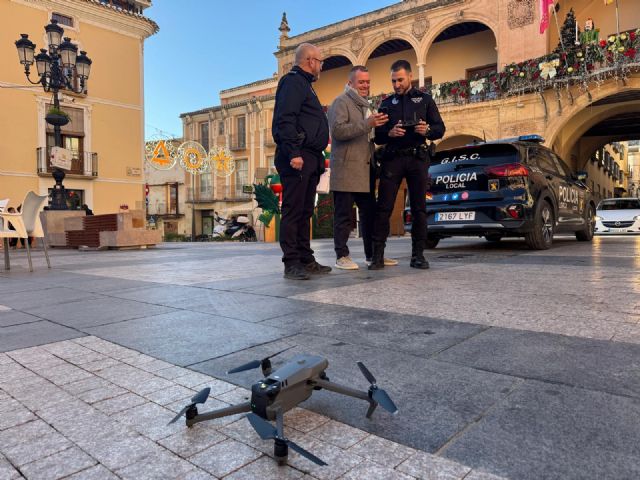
{"x": 345, "y": 263}
{"x": 368, "y": 261}
{"x": 390, "y": 262}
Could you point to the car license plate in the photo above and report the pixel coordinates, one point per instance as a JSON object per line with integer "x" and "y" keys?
{"x": 455, "y": 216}
{"x": 619, "y": 230}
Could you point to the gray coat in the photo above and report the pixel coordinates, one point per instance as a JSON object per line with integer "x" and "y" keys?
{"x": 351, "y": 148}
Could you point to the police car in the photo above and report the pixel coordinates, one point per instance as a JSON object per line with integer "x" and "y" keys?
{"x": 512, "y": 187}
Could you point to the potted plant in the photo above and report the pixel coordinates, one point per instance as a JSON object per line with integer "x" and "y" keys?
{"x": 57, "y": 117}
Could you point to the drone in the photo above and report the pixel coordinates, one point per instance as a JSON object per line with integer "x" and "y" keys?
{"x": 280, "y": 391}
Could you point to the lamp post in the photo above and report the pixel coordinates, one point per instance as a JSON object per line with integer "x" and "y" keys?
{"x": 57, "y": 68}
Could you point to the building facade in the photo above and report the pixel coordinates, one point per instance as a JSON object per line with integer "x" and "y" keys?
{"x": 241, "y": 123}
{"x": 106, "y": 131}
{"x": 488, "y": 67}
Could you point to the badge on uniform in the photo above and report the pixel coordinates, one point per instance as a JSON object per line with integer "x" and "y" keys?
{"x": 494, "y": 185}
{"x": 395, "y": 101}
{"x": 416, "y": 99}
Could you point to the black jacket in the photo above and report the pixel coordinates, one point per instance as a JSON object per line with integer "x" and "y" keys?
{"x": 299, "y": 121}
{"x": 413, "y": 106}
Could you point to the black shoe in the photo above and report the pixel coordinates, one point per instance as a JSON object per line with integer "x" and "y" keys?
{"x": 315, "y": 268}
{"x": 419, "y": 262}
{"x": 295, "y": 272}
{"x": 377, "y": 262}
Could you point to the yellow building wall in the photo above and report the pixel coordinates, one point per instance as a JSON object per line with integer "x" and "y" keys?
{"x": 115, "y": 100}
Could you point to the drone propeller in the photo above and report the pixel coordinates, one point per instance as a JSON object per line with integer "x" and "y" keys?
{"x": 266, "y": 431}
{"x": 199, "y": 397}
{"x": 377, "y": 394}
{"x": 264, "y": 363}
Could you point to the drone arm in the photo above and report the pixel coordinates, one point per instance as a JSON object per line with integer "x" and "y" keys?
{"x": 336, "y": 387}
{"x": 222, "y": 412}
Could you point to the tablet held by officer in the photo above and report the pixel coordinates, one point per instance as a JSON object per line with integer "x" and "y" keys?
{"x": 413, "y": 119}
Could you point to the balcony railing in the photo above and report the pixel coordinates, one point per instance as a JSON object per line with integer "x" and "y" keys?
{"x": 226, "y": 193}
{"x": 613, "y": 57}
{"x": 238, "y": 142}
{"x": 82, "y": 163}
{"x": 160, "y": 209}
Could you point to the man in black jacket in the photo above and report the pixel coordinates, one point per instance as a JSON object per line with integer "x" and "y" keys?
{"x": 301, "y": 133}
{"x": 413, "y": 119}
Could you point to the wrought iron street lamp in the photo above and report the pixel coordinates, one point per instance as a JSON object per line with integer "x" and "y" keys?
{"x": 58, "y": 67}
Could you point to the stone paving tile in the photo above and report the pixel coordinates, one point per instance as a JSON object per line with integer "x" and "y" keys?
{"x": 339, "y": 461}
{"x": 58, "y": 465}
{"x": 119, "y": 403}
{"x": 265, "y": 468}
{"x": 169, "y": 395}
{"x": 86, "y": 358}
{"x": 7, "y": 472}
{"x": 161, "y": 465}
{"x": 118, "y": 451}
{"x": 338, "y": 434}
{"x": 103, "y": 393}
{"x": 66, "y": 349}
{"x": 237, "y": 395}
{"x": 480, "y": 475}
{"x": 98, "y": 365}
{"x": 150, "y": 420}
{"x": 382, "y": 451}
{"x": 304, "y": 420}
{"x": 86, "y": 384}
{"x": 18, "y": 416}
{"x": 173, "y": 372}
{"x": 192, "y": 379}
{"x": 98, "y": 472}
{"x": 23, "y": 433}
{"x": 154, "y": 365}
{"x": 36, "y": 448}
{"x": 150, "y": 385}
{"x": 190, "y": 441}
{"x": 225, "y": 457}
{"x": 65, "y": 374}
{"x": 218, "y": 387}
{"x": 373, "y": 470}
{"x": 242, "y": 431}
{"x": 431, "y": 467}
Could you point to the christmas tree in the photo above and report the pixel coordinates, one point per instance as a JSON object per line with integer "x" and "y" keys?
{"x": 568, "y": 33}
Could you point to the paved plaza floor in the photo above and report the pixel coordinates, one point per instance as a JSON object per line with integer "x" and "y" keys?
{"x": 504, "y": 362}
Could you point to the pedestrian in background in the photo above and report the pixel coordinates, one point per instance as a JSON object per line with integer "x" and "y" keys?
{"x": 301, "y": 133}
{"x": 352, "y": 124}
{"x": 413, "y": 119}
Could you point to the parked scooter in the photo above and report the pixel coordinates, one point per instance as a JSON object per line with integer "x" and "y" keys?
{"x": 235, "y": 228}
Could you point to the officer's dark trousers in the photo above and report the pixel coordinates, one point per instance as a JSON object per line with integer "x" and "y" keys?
{"x": 393, "y": 171}
{"x": 343, "y": 205}
{"x": 298, "y": 197}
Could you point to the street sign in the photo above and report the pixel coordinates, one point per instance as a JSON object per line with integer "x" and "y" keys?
{"x": 61, "y": 158}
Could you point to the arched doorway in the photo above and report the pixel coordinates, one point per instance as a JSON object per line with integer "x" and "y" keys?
{"x": 382, "y": 57}
{"x": 595, "y": 140}
{"x": 333, "y": 77}
{"x": 461, "y": 51}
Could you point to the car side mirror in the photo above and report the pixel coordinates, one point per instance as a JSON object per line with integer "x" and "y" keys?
{"x": 582, "y": 176}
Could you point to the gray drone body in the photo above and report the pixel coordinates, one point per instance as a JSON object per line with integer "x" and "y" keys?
{"x": 280, "y": 391}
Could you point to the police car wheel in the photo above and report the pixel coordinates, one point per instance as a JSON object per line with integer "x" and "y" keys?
{"x": 541, "y": 237}
{"x": 493, "y": 237}
{"x": 586, "y": 235}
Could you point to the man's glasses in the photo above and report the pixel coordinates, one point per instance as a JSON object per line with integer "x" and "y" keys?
{"x": 317, "y": 60}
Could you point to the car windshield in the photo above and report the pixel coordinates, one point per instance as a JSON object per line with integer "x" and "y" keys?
{"x": 619, "y": 205}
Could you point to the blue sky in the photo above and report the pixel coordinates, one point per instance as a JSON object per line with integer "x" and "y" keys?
{"x": 205, "y": 46}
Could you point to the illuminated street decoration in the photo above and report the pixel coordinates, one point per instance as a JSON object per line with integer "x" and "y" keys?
{"x": 161, "y": 153}
{"x": 193, "y": 157}
{"x": 222, "y": 161}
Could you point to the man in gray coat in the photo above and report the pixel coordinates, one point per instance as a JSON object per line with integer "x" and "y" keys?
{"x": 352, "y": 124}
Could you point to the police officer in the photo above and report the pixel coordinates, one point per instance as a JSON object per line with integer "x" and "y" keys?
{"x": 301, "y": 133}
{"x": 413, "y": 119}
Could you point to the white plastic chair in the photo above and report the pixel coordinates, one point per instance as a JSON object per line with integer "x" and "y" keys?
{"x": 27, "y": 224}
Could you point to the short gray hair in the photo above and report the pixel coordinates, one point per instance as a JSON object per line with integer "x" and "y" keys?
{"x": 356, "y": 69}
{"x": 302, "y": 52}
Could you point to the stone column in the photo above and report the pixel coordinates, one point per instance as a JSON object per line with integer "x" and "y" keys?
{"x": 421, "y": 75}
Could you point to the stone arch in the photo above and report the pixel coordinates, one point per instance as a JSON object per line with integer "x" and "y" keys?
{"x": 371, "y": 44}
{"x": 332, "y": 80}
{"x": 336, "y": 51}
{"x": 450, "y": 21}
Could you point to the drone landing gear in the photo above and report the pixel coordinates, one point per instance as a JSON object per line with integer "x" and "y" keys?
{"x": 280, "y": 451}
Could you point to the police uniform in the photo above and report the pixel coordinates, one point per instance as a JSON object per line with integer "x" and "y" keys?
{"x": 405, "y": 157}
{"x": 300, "y": 129}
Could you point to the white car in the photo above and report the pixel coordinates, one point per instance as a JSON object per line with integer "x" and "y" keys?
{"x": 615, "y": 216}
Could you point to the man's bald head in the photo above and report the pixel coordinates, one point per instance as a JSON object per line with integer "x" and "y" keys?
{"x": 309, "y": 58}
